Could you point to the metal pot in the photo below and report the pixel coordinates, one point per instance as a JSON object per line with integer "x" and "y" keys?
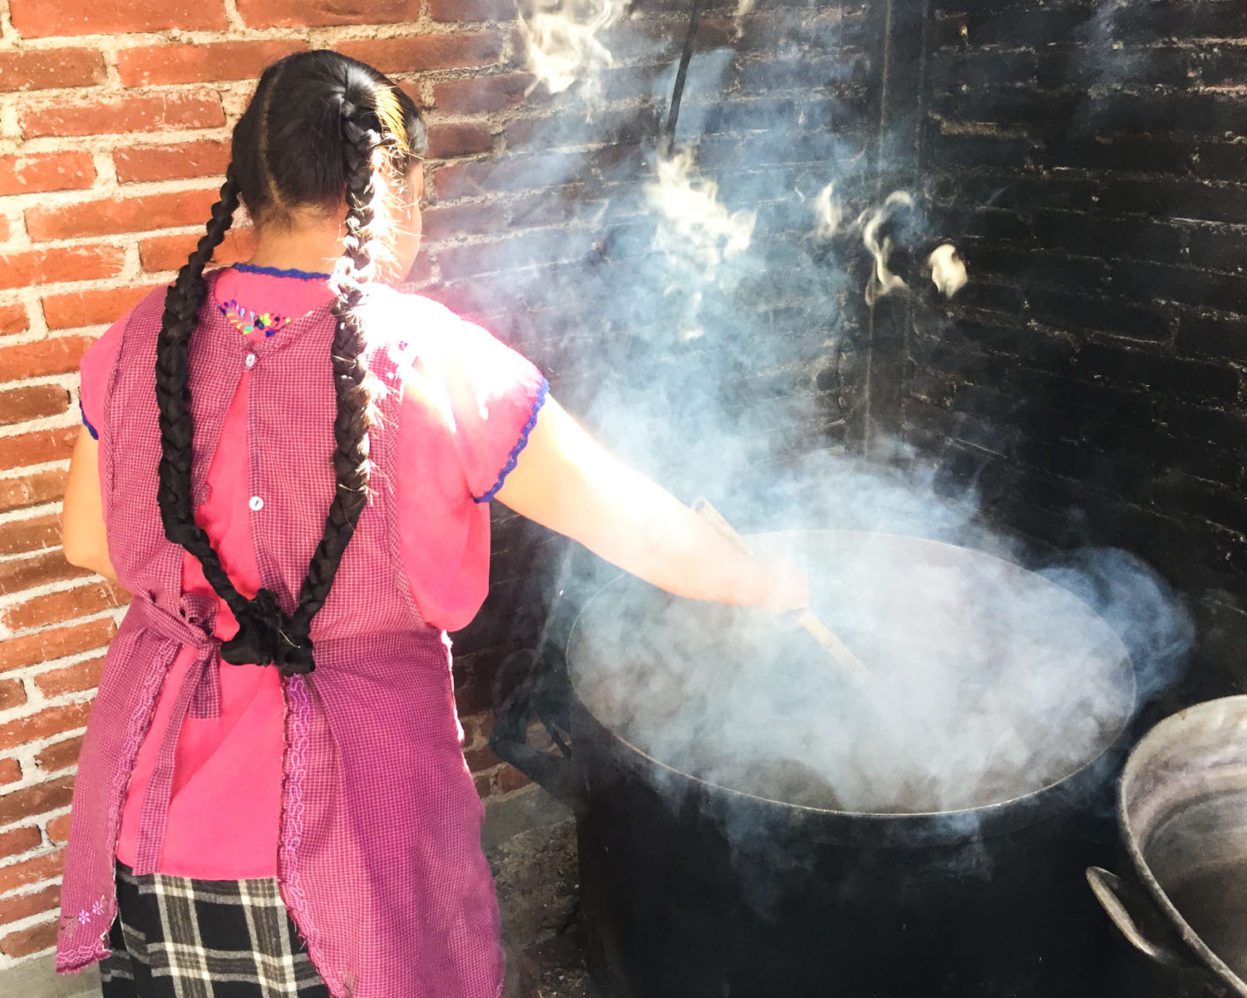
{"x": 692, "y": 887}
{"x": 1182, "y": 807}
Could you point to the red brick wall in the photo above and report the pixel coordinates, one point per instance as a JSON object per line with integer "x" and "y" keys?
{"x": 114, "y": 127}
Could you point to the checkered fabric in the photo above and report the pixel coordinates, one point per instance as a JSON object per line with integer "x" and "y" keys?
{"x": 175, "y": 937}
{"x": 380, "y": 858}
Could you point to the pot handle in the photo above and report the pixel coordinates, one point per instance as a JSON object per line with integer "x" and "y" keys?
{"x": 542, "y": 691}
{"x": 1136, "y": 917}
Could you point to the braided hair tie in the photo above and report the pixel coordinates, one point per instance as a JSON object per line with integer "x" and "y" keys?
{"x": 265, "y": 635}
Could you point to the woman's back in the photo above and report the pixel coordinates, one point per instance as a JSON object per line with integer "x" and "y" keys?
{"x": 373, "y": 733}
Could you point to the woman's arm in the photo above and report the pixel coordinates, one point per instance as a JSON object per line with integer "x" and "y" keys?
{"x": 566, "y": 481}
{"x": 83, "y": 537}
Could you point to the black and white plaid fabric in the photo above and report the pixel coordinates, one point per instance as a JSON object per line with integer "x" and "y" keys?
{"x": 176, "y": 937}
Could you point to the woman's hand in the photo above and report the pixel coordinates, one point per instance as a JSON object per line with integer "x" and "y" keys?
{"x": 788, "y": 586}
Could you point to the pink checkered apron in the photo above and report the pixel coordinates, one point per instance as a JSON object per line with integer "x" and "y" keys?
{"x": 380, "y": 863}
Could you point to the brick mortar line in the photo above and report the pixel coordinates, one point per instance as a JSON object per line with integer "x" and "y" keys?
{"x": 29, "y": 678}
{"x": 6, "y": 634}
{"x": 33, "y": 691}
{"x": 31, "y": 921}
{"x": 34, "y": 852}
{"x": 18, "y": 515}
{"x": 52, "y": 815}
{"x": 29, "y": 673}
{"x": 243, "y": 34}
{"x": 42, "y": 509}
{"x": 66, "y": 699}
{"x": 35, "y": 336}
{"x": 23, "y": 596}
{"x": 68, "y": 380}
{"x": 108, "y": 142}
{"x": 19, "y": 556}
{"x": 234, "y": 17}
{"x": 39, "y": 336}
{"x": 33, "y": 776}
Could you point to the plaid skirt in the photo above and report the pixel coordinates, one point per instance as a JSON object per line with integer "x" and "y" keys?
{"x": 175, "y": 937}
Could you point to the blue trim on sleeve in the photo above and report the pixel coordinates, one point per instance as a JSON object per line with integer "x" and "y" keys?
{"x": 520, "y": 444}
{"x": 95, "y": 434}
{"x": 305, "y": 275}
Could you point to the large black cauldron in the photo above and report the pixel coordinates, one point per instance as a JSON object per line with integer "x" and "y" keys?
{"x": 692, "y": 887}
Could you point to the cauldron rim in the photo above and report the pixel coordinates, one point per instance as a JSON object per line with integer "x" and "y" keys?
{"x": 981, "y": 814}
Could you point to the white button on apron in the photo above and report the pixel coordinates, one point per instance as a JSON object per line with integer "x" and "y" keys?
{"x": 256, "y": 503}
{"x": 251, "y": 360}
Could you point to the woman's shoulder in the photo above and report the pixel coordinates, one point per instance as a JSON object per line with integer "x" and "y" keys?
{"x": 397, "y": 311}
{"x": 419, "y": 332}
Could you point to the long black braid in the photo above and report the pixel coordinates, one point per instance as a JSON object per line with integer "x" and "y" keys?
{"x": 327, "y": 102}
{"x": 350, "y": 428}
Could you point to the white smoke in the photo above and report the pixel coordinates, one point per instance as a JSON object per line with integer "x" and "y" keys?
{"x": 990, "y": 682}
{"x": 828, "y": 212}
{"x": 563, "y": 44}
{"x": 689, "y": 339}
{"x": 695, "y": 232}
{"x": 948, "y": 269}
{"x": 882, "y": 281}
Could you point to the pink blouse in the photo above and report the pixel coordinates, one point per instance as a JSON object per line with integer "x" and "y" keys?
{"x": 469, "y": 406}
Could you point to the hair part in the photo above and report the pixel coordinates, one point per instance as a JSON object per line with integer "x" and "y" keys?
{"x": 321, "y": 128}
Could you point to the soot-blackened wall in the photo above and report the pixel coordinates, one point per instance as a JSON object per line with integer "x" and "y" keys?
{"x": 1091, "y": 159}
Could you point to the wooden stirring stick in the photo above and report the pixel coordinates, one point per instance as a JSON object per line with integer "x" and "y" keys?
{"x": 848, "y": 663}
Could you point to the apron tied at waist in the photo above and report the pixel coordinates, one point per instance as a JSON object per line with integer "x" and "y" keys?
{"x": 199, "y": 694}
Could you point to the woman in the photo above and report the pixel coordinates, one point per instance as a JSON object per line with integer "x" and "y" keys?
{"x": 312, "y": 828}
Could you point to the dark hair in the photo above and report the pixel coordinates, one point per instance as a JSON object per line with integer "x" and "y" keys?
{"x": 320, "y": 128}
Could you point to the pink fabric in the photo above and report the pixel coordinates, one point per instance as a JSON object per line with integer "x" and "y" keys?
{"x": 379, "y": 856}
{"x": 219, "y": 771}
{"x": 224, "y": 802}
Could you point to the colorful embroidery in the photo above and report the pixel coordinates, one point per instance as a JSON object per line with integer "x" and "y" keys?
{"x": 246, "y": 320}
{"x": 98, "y": 907}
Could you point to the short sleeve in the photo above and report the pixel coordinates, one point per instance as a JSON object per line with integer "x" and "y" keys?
{"x": 476, "y": 399}
{"x": 94, "y": 373}
{"x": 469, "y": 404}
{"x": 495, "y": 396}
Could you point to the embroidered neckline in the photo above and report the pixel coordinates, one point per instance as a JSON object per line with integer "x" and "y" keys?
{"x": 302, "y": 275}
{"x": 247, "y": 320}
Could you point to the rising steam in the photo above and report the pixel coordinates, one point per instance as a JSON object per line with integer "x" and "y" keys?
{"x": 720, "y": 304}
{"x": 882, "y": 281}
{"x": 948, "y": 269}
{"x": 562, "y": 41}
{"x": 695, "y": 233}
{"x": 828, "y": 212}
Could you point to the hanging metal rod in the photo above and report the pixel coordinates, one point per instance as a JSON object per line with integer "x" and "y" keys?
{"x": 673, "y": 113}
